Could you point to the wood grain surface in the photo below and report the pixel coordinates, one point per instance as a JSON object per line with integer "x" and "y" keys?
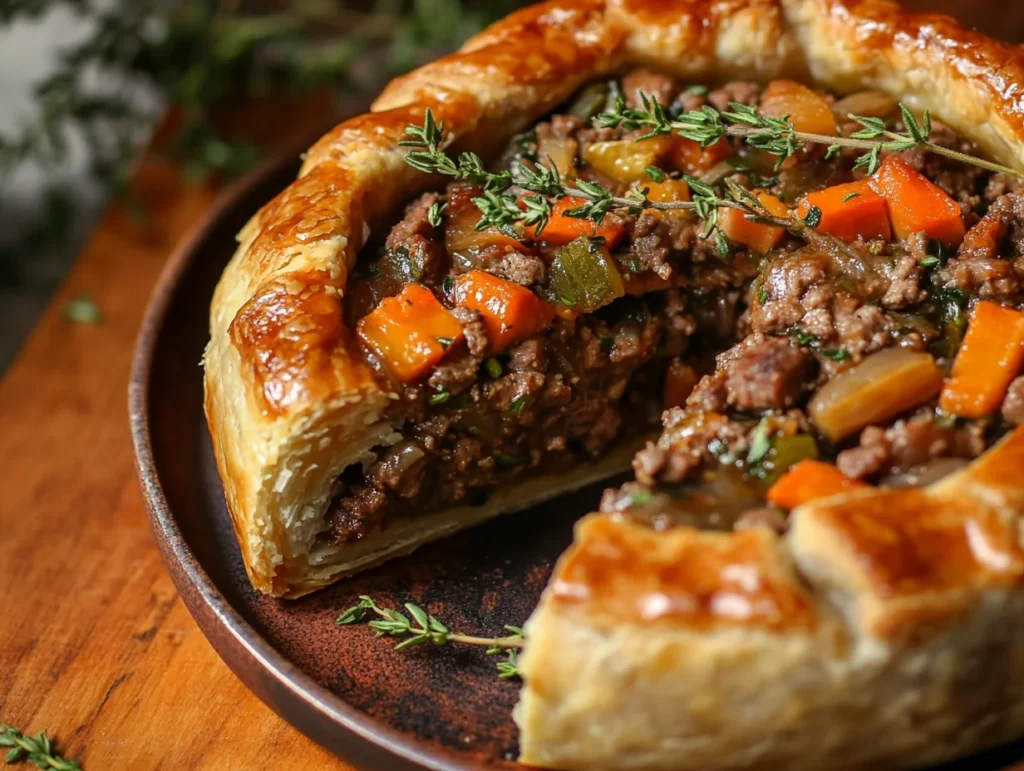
{"x": 95, "y": 645}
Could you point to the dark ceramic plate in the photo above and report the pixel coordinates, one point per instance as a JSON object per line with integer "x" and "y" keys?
{"x": 434, "y": 708}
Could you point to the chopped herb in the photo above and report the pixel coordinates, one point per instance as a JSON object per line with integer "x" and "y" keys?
{"x": 929, "y": 262}
{"x": 655, "y": 173}
{"x": 82, "y": 310}
{"x": 527, "y": 138}
{"x": 851, "y": 196}
{"x": 510, "y": 461}
{"x": 567, "y": 301}
{"x": 802, "y": 337}
{"x": 697, "y": 89}
{"x": 639, "y": 498}
{"x": 945, "y": 420}
{"x": 836, "y": 354}
{"x": 517, "y": 405}
{"x": 813, "y": 217}
{"x": 448, "y": 284}
{"x": 493, "y": 367}
{"x": 762, "y": 296}
{"x": 760, "y": 444}
{"x": 439, "y": 398}
{"x": 445, "y": 342}
{"x": 434, "y": 214}
{"x": 414, "y": 268}
{"x": 607, "y": 344}
{"x": 721, "y": 244}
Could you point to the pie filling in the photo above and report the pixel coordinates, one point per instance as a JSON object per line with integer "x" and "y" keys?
{"x": 785, "y": 363}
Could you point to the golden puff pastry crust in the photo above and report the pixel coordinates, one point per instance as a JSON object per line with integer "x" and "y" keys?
{"x": 289, "y": 403}
{"x": 882, "y": 631}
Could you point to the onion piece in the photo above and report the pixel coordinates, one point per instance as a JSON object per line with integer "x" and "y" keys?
{"x": 926, "y": 473}
{"x": 559, "y": 152}
{"x": 626, "y": 160}
{"x": 882, "y": 386}
{"x": 869, "y": 104}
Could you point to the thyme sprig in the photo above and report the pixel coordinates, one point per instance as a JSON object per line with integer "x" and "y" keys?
{"x": 779, "y": 137}
{"x": 502, "y": 207}
{"x": 419, "y": 627}
{"x": 37, "y": 750}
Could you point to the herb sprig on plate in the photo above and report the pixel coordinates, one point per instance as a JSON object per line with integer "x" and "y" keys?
{"x": 419, "y": 628}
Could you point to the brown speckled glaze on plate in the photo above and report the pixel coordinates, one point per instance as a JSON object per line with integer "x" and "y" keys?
{"x": 433, "y": 708}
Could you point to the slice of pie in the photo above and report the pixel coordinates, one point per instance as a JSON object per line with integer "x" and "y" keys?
{"x": 790, "y": 236}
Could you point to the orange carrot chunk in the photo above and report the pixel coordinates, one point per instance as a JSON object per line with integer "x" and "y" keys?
{"x": 810, "y": 480}
{"x": 511, "y": 313}
{"x": 989, "y": 358}
{"x": 807, "y": 111}
{"x": 985, "y": 235}
{"x": 689, "y": 157}
{"x": 917, "y": 205}
{"x": 758, "y": 236}
{"x": 849, "y": 212}
{"x": 561, "y": 229}
{"x": 410, "y": 332}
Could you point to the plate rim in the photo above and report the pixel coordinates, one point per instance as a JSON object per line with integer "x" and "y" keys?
{"x": 209, "y": 608}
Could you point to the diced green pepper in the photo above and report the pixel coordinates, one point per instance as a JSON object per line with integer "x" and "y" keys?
{"x": 589, "y": 101}
{"x": 584, "y": 277}
{"x": 786, "y": 452}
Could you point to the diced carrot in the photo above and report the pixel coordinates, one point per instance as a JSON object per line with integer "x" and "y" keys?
{"x": 410, "y": 332}
{"x": 561, "y": 230}
{"x": 680, "y": 380}
{"x": 807, "y": 111}
{"x": 916, "y": 204}
{"x": 985, "y": 235}
{"x": 849, "y": 212}
{"x": 511, "y": 313}
{"x": 989, "y": 358}
{"x": 461, "y": 216}
{"x": 810, "y": 480}
{"x": 626, "y": 160}
{"x": 758, "y": 236}
{"x": 689, "y": 157}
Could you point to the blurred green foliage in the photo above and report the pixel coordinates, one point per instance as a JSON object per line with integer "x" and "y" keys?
{"x": 201, "y": 57}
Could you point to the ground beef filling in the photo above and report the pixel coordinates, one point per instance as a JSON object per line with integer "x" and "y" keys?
{"x": 753, "y": 336}
{"x": 549, "y": 404}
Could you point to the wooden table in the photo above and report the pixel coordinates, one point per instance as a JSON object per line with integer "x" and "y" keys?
{"x": 95, "y": 645}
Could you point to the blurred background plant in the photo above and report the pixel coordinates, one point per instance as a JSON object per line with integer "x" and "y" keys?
{"x": 195, "y": 61}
